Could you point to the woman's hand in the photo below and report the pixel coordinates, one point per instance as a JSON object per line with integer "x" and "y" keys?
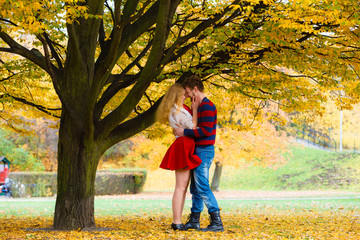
{"x": 178, "y": 131}
{"x": 194, "y": 107}
{"x": 195, "y": 102}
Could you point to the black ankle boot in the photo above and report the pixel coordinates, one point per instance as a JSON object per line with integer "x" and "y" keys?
{"x": 215, "y": 223}
{"x": 177, "y": 226}
{"x": 193, "y": 222}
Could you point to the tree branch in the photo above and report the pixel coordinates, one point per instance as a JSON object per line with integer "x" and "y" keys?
{"x": 102, "y": 35}
{"x": 37, "y": 106}
{"x": 249, "y": 26}
{"x": 129, "y": 9}
{"x": 7, "y": 78}
{"x": 110, "y": 10}
{"x": 164, "y": 17}
{"x": 8, "y": 21}
{"x": 130, "y": 33}
{"x": 198, "y": 29}
{"x": 119, "y": 81}
{"x": 53, "y": 51}
{"x": 140, "y": 12}
{"x": 132, "y": 126}
{"x": 34, "y": 55}
{"x": 47, "y": 56}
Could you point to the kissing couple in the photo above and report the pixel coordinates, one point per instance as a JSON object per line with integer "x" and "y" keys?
{"x": 192, "y": 152}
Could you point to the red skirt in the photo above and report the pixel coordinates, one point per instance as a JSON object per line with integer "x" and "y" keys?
{"x": 180, "y": 155}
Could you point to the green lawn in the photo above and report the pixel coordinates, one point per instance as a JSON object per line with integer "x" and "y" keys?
{"x": 304, "y": 169}
{"x": 113, "y": 207}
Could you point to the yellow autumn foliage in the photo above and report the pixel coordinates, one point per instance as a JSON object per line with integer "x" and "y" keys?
{"x": 253, "y": 224}
{"x": 109, "y": 65}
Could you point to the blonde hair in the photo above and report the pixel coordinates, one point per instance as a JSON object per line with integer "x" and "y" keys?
{"x": 173, "y": 96}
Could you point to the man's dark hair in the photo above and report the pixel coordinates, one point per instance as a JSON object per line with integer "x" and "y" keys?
{"x": 192, "y": 82}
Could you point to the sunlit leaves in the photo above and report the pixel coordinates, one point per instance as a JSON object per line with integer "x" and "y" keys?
{"x": 34, "y": 17}
{"x": 24, "y": 82}
{"x": 265, "y": 223}
{"x": 256, "y": 49}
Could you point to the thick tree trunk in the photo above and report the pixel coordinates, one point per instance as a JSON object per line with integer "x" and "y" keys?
{"x": 78, "y": 157}
{"x": 216, "y": 177}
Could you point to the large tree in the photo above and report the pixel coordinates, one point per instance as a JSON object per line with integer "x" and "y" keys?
{"x": 109, "y": 62}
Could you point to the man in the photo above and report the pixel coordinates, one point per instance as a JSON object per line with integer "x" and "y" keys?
{"x": 204, "y": 137}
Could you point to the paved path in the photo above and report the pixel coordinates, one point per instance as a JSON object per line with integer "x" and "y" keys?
{"x": 230, "y": 195}
{"x": 247, "y": 195}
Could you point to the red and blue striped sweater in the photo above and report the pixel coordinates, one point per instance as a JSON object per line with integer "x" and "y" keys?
{"x": 207, "y": 118}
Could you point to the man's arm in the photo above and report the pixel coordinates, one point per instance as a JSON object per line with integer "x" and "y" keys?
{"x": 208, "y": 120}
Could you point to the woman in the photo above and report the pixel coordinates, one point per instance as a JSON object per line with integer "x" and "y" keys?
{"x": 180, "y": 155}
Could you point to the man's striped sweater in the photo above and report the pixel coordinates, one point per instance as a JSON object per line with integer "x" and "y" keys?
{"x": 207, "y": 118}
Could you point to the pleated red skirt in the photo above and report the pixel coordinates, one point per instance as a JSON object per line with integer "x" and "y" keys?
{"x": 180, "y": 155}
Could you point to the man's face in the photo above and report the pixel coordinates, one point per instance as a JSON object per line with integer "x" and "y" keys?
{"x": 189, "y": 93}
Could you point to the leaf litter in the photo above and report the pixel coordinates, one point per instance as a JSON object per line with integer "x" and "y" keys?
{"x": 254, "y": 224}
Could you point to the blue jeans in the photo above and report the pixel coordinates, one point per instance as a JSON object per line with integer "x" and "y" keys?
{"x": 199, "y": 186}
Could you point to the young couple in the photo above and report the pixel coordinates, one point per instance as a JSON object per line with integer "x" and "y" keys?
{"x": 192, "y": 152}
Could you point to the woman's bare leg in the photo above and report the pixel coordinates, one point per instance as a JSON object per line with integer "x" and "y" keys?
{"x": 184, "y": 194}
{"x": 182, "y": 181}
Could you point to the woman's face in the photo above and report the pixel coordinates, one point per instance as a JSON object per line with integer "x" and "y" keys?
{"x": 183, "y": 96}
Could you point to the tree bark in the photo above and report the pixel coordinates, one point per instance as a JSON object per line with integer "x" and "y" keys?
{"x": 216, "y": 177}
{"x": 78, "y": 157}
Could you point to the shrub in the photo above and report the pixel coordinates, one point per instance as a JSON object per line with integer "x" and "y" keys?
{"x": 108, "y": 182}
{"x": 20, "y": 158}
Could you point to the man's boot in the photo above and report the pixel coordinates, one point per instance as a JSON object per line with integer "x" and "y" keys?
{"x": 215, "y": 223}
{"x": 193, "y": 222}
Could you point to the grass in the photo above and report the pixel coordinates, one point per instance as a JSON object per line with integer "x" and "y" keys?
{"x": 304, "y": 169}
{"x": 119, "y": 207}
{"x": 271, "y": 218}
{"x": 320, "y": 216}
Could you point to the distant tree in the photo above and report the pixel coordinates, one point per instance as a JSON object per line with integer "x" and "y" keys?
{"x": 328, "y": 123}
{"x": 20, "y": 156}
{"x": 110, "y": 62}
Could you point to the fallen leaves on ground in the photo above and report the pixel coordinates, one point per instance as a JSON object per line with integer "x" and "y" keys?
{"x": 275, "y": 224}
